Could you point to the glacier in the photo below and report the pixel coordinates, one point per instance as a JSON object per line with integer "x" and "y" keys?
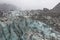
{"x": 24, "y": 28}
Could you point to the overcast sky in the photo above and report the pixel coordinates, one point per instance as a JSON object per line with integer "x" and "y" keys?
{"x": 33, "y": 4}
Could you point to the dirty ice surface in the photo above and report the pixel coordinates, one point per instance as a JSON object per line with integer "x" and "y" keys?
{"x": 27, "y": 29}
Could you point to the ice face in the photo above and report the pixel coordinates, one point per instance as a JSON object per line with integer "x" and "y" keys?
{"x": 26, "y": 29}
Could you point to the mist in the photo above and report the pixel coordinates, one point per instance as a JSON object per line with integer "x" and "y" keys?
{"x": 32, "y": 4}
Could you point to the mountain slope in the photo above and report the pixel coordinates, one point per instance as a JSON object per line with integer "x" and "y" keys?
{"x": 7, "y": 7}
{"x": 56, "y": 9}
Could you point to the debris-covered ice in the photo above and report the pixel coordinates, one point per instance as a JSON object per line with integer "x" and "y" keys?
{"x": 27, "y": 29}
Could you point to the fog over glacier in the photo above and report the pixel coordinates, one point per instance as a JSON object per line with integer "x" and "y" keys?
{"x": 32, "y": 4}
